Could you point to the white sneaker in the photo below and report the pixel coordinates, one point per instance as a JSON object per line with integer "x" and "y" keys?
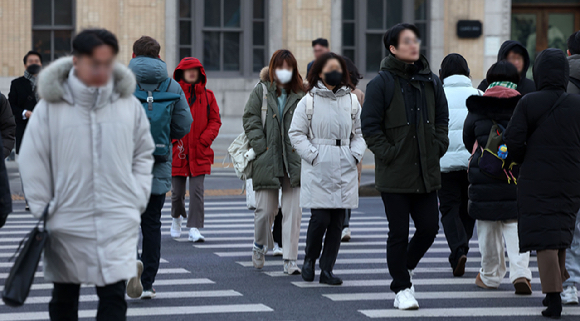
{"x": 134, "y": 286}
{"x": 258, "y": 258}
{"x": 195, "y": 236}
{"x": 345, "y": 234}
{"x": 405, "y": 300}
{"x": 278, "y": 250}
{"x": 411, "y": 274}
{"x": 176, "y": 228}
{"x": 291, "y": 268}
{"x": 570, "y": 295}
{"x": 148, "y": 294}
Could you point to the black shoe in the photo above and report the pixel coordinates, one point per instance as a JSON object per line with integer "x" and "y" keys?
{"x": 327, "y": 277}
{"x": 459, "y": 269}
{"x": 308, "y": 270}
{"x": 554, "y": 309}
{"x": 27, "y": 208}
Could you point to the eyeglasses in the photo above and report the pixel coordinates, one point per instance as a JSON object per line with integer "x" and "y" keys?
{"x": 411, "y": 41}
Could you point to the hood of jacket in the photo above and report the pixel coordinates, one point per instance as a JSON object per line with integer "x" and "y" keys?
{"x": 53, "y": 82}
{"x": 493, "y": 107}
{"x": 190, "y": 63}
{"x": 508, "y": 46}
{"x": 457, "y": 81}
{"x": 148, "y": 70}
{"x": 574, "y": 63}
{"x": 501, "y": 92}
{"x": 551, "y": 70}
{"x": 321, "y": 90}
{"x": 405, "y": 70}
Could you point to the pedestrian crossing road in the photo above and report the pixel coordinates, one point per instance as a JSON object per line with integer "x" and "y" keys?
{"x": 215, "y": 280}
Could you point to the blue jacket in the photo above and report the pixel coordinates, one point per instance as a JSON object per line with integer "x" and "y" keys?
{"x": 149, "y": 73}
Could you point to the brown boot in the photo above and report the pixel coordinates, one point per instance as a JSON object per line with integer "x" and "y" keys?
{"x": 523, "y": 286}
{"x": 479, "y": 282}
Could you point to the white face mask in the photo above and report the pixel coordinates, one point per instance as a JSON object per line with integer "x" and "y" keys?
{"x": 284, "y": 76}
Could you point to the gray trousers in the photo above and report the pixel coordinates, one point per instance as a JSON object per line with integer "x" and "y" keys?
{"x": 573, "y": 257}
{"x": 196, "y": 207}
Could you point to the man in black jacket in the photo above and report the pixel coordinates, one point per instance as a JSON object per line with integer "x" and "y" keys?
{"x": 405, "y": 123}
{"x": 23, "y": 95}
{"x": 517, "y": 55}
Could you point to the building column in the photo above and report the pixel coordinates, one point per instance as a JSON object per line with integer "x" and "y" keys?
{"x": 275, "y": 25}
{"x": 436, "y": 32}
{"x": 496, "y": 29}
{"x": 336, "y": 26}
{"x": 171, "y": 48}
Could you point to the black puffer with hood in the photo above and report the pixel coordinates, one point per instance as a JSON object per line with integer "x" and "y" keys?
{"x": 525, "y": 85}
{"x": 548, "y": 147}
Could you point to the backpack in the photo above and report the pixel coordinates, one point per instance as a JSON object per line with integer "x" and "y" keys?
{"x": 310, "y": 112}
{"x": 491, "y": 163}
{"x": 158, "y": 105}
{"x": 241, "y": 145}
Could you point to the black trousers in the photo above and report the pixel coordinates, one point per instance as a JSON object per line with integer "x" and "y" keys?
{"x": 277, "y": 231}
{"x": 457, "y": 224}
{"x": 64, "y": 305}
{"x": 402, "y": 254}
{"x": 322, "y": 221}
{"x": 151, "y": 229}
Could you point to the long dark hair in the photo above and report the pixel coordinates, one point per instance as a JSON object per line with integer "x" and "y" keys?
{"x": 296, "y": 84}
{"x": 502, "y": 71}
{"x": 318, "y": 65}
{"x": 355, "y": 75}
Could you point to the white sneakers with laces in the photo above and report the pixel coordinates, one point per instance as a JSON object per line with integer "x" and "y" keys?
{"x": 278, "y": 250}
{"x": 176, "y": 227}
{"x": 405, "y": 300}
{"x": 291, "y": 268}
{"x": 570, "y": 295}
{"x": 195, "y": 236}
{"x": 345, "y": 237}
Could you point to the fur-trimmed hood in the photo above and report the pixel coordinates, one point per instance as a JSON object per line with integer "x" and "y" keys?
{"x": 493, "y": 107}
{"x": 52, "y": 81}
{"x": 265, "y": 74}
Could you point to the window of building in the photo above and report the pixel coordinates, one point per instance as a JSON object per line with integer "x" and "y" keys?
{"x": 365, "y": 22}
{"x": 52, "y": 28}
{"x": 221, "y": 33}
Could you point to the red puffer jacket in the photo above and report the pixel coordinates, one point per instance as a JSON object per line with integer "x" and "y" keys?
{"x": 192, "y": 155}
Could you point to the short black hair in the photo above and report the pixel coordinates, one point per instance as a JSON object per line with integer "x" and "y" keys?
{"x": 453, "y": 64}
{"x": 32, "y": 52}
{"x": 320, "y": 41}
{"x": 574, "y": 43}
{"x": 502, "y": 70}
{"x": 355, "y": 76}
{"x": 391, "y": 37}
{"x": 86, "y": 41}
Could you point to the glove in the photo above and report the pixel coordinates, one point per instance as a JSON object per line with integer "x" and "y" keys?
{"x": 250, "y": 155}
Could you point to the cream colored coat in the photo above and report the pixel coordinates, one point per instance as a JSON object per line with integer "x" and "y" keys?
{"x": 88, "y": 152}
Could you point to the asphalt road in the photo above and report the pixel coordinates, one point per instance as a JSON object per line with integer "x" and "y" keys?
{"x": 216, "y": 281}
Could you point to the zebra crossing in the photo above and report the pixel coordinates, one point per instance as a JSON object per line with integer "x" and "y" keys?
{"x": 182, "y": 294}
{"x": 362, "y": 265}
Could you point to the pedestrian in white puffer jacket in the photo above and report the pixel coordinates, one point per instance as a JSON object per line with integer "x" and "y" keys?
{"x": 453, "y": 197}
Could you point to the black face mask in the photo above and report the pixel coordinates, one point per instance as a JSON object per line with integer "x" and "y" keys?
{"x": 333, "y": 78}
{"x": 33, "y": 69}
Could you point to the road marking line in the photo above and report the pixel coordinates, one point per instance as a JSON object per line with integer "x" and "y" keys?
{"x": 48, "y": 286}
{"x": 385, "y": 271}
{"x": 435, "y": 295}
{"x": 343, "y": 251}
{"x": 387, "y": 282}
{"x": 464, "y": 312}
{"x": 160, "y": 271}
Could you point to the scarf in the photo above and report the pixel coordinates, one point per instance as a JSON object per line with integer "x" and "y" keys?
{"x": 32, "y": 80}
{"x": 506, "y": 84}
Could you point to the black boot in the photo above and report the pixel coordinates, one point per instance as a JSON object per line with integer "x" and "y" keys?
{"x": 308, "y": 270}
{"x": 554, "y": 309}
{"x": 327, "y": 277}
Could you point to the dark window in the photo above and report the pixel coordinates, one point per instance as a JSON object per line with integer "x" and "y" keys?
{"x": 52, "y": 28}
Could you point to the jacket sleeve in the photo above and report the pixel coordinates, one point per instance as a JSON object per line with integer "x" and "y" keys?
{"x": 13, "y": 99}
{"x": 357, "y": 142}
{"x": 373, "y": 117}
{"x": 7, "y": 125}
{"x": 483, "y": 85}
{"x": 298, "y": 133}
{"x": 181, "y": 119}
{"x": 252, "y": 120}
{"x": 143, "y": 147}
{"x": 34, "y": 161}
{"x": 469, "y": 132}
{"x": 214, "y": 123}
{"x": 441, "y": 118}
{"x": 516, "y": 133}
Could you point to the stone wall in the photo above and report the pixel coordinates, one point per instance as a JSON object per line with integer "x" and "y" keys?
{"x": 16, "y": 37}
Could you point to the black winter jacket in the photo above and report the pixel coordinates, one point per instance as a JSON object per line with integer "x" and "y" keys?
{"x": 407, "y": 134}
{"x": 21, "y": 98}
{"x": 489, "y": 198}
{"x": 525, "y": 85}
{"x": 5, "y": 196}
{"x": 7, "y": 125}
{"x": 548, "y": 147}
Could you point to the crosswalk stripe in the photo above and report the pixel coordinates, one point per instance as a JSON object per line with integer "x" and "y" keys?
{"x": 9, "y": 264}
{"x": 385, "y": 271}
{"x": 161, "y": 295}
{"x": 48, "y": 286}
{"x": 160, "y": 271}
{"x": 439, "y": 295}
{"x": 343, "y": 251}
{"x": 228, "y": 231}
{"x": 464, "y": 312}
{"x": 154, "y": 311}
{"x": 387, "y": 282}
{"x": 301, "y": 244}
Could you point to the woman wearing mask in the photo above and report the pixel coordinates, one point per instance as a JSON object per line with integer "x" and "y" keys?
{"x": 192, "y": 155}
{"x": 355, "y": 76}
{"x": 453, "y": 198}
{"x": 275, "y": 164}
{"x": 326, "y": 133}
{"x": 544, "y": 137}
{"x": 493, "y": 202}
